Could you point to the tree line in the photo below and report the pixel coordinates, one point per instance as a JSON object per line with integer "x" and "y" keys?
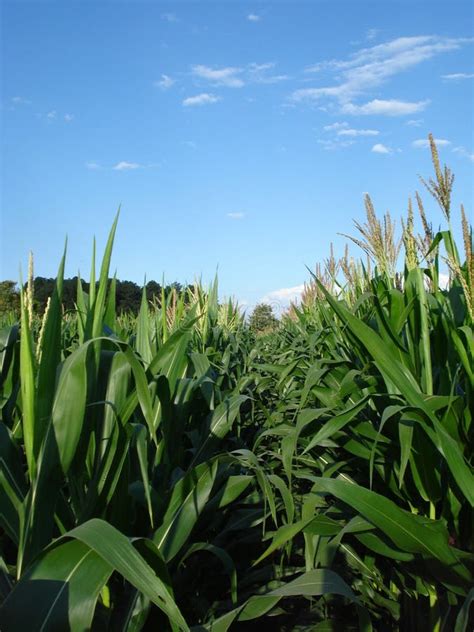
{"x": 128, "y": 294}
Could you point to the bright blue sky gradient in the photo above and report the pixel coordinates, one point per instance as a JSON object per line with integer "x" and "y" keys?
{"x": 238, "y": 135}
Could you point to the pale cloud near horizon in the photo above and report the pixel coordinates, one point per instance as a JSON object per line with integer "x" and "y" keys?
{"x": 424, "y": 142}
{"x": 126, "y": 166}
{"x": 458, "y": 76}
{"x": 284, "y": 296}
{"x": 370, "y": 67}
{"x": 237, "y": 215}
{"x": 204, "y": 98}
{"x": 165, "y": 83}
{"x": 379, "y": 148}
{"x": 123, "y": 165}
{"x": 386, "y": 107}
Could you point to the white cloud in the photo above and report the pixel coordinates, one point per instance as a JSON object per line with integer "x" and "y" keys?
{"x": 121, "y": 166}
{"x": 414, "y": 122}
{"x": 457, "y": 76}
{"x": 462, "y": 151}
{"x": 51, "y": 115}
{"x": 68, "y": 117}
{"x": 190, "y": 143}
{"x": 169, "y": 17}
{"x": 200, "y": 99}
{"x": 335, "y": 126}
{"x": 381, "y": 149}
{"x": 424, "y": 142}
{"x": 358, "y": 132}
{"x": 165, "y": 83}
{"x": 258, "y": 73}
{"x": 238, "y": 215}
{"x": 126, "y": 166}
{"x": 253, "y": 17}
{"x": 284, "y": 296}
{"x": 371, "y": 67}
{"x": 386, "y": 107}
{"x": 228, "y": 77}
{"x": 235, "y": 77}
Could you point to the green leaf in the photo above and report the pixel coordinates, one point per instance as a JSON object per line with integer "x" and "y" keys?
{"x": 187, "y": 501}
{"x": 409, "y": 532}
{"x": 59, "y": 592}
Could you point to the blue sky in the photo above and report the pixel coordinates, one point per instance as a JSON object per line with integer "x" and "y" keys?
{"x": 235, "y": 135}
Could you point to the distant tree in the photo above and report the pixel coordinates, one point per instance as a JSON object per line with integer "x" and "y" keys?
{"x": 128, "y": 297}
{"x": 153, "y": 291}
{"x": 128, "y": 294}
{"x": 9, "y": 296}
{"x": 262, "y": 319}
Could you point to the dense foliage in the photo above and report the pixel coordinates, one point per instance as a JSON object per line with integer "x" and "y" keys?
{"x": 127, "y": 294}
{"x": 172, "y": 471}
{"x": 262, "y": 319}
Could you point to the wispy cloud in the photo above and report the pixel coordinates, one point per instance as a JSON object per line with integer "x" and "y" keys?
{"x": 68, "y": 117}
{"x": 371, "y": 67}
{"x": 344, "y": 135}
{"x": 379, "y": 148}
{"x": 260, "y": 73}
{"x": 424, "y": 142}
{"x": 123, "y": 165}
{"x": 371, "y": 34}
{"x": 201, "y": 99}
{"x": 333, "y": 144}
{"x": 228, "y": 76}
{"x": 165, "y": 83}
{"x": 238, "y": 215}
{"x": 386, "y": 107}
{"x": 458, "y": 76}
{"x": 462, "y": 151}
{"x": 190, "y": 143}
{"x": 335, "y": 126}
{"x": 414, "y": 122}
{"x": 253, "y": 17}
{"x": 238, "y": 77}
{"x": 52, "y": 115}
{"x": 126, "y": 166}
{"x": 169, "y": 17}
{"x": 358, "y": 132}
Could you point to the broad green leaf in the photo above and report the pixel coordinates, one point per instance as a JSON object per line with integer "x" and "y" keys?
{"x": 187, "y": 501}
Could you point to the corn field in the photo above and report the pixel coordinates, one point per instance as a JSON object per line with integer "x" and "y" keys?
{"x": 176, "y": 472}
